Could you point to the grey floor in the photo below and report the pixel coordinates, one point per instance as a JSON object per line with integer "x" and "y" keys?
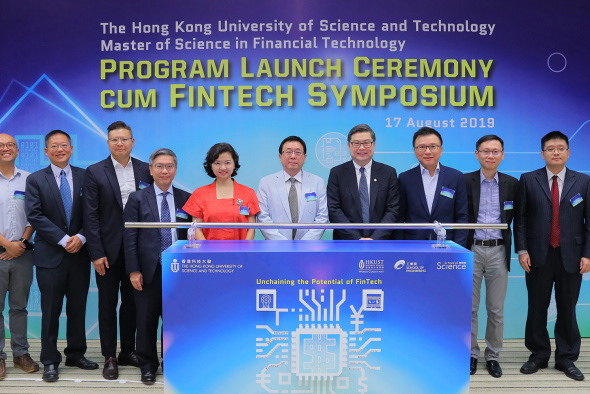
{"x": 88, "y": 382}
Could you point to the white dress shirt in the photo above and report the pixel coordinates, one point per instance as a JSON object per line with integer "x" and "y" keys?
{"x": 126, "y": 179}
{"x": 429, "y": 183}
{"x": 170, "y": 199}
{"x": 13, "y": 218}
{"x": 357, "y": 171}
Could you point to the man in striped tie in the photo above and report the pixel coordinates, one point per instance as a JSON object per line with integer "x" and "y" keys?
{"x": 363, "y": 190}
{"x": 159, "y": 202}
{"x": 54, "y": 208}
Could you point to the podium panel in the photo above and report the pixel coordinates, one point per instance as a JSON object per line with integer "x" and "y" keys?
{"x": 317, "y": 317}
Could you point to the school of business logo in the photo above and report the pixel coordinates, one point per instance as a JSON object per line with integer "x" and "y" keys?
{"x": 174, "y": 266}
{"x": 399, "y": 264}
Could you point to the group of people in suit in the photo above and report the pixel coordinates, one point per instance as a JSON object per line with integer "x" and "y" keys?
{"x": 79, "y": 216}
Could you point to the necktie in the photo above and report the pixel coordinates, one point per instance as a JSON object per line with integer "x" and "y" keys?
{"x": 554, "y": 237}
{"x": 364, "y": 194}
{"x": 166, "y": 233}
{"x": 66, "y": 195}
{"x": 293, "y": 204}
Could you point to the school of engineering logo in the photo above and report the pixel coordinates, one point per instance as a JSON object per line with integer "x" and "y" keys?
{"x": 324, "y": 344}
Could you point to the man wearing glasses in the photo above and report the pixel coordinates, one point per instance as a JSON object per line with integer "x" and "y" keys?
{"x": 292, "y": 195}
{"x": 363, "y": 190}
{"x": 16, "y": 257}
{"x": 159, "y": 202}
{"x": 431, "y": 191}
{"x": 54, "y": 209}
{"x": 107, "y": 187}
{"x": 552, "y": 239}
{"x": 490, "y": 196}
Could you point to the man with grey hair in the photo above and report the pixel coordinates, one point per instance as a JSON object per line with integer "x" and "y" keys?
{"x": 159, "y": 202}
{"x": 363, "y": 190}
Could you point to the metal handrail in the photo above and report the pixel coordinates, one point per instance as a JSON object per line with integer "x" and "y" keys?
{"x": 325, "y": 226}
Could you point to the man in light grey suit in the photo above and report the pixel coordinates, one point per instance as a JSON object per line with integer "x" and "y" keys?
{"x": 292, "y": 195}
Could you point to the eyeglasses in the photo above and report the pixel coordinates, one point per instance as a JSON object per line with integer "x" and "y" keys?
{"x": 365, "y": 144}
{"x": 62, "y": 146}
{"x": 160, "y": 167}
{"x": 422, "y": 148}
{"x": 9, "y": 145}
{"x": 486, "y": 153}
{"x": 297, "y": 153}
{"x": 561, "y": 149}
{"x": 124, "y": 140}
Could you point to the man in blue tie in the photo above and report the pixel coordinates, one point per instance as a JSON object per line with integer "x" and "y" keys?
{"x": 160, "y": 202}
{"x": 362, "y": 190}
{"x": 54, "y": 209}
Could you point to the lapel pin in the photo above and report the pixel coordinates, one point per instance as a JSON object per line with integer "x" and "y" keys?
{"x": 375, "y": 180}
{"x": 239, "y": 201}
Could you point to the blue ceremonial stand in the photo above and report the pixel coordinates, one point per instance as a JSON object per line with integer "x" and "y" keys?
{"x": 317, "y": 317}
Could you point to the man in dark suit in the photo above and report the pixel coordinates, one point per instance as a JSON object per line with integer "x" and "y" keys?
{"x": 362, "y": 190}
{"x": 160, "y": 202}
{"x": 432, "y": 192}
{"x": 106, "y": 189}
{"x": 54, "y": 209}
{"x": 490, "y": 196}
{"x": 552, "y": 239}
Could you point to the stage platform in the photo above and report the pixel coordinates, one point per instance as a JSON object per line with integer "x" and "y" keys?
{"x": 74, "y": 380}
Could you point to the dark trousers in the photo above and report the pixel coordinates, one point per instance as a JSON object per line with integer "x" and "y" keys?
{"x": 567, "y": 289}
{"x": 148, "y": 303}
{"x": 116, "y": 278}
{"x": 70, "y": 279}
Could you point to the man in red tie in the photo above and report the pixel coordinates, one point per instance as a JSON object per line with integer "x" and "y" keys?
{"x": 552, "y": 239}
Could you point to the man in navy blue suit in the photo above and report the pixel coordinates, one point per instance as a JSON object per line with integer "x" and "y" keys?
{"x": 107, "y": 187}
{"x": 362, "y": 190}
{"x": 431, "y": 191}
{"x": 552, "y": 239}
{"x": 54, "y": 209}
{"x": 160, "y": 202}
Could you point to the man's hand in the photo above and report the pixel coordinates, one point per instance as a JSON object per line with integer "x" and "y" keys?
{"x": 136, "y": 280}
{"x": 365, "y": 239}
{"x": 14, "y": 249}
{"x": 525, "y": 261}
{"x": 100, "y": 265}
{"x": 73, "y": 244}
{"x": 584, "y": 265}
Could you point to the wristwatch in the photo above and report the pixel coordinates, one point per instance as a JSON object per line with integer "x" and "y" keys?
{"x": 24, "y": 241}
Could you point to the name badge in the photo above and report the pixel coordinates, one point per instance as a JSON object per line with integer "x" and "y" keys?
{"x": 143, "y": 185}
{"x": 445, "y": 191}
{"x": 245, "y": 211}
{"x": 19, "y": 195}
{"x": 508, "y": 205}
{"x": 575, "y": 200}
{"x": 181, "y": 214}
{"x": 310, "y": 196}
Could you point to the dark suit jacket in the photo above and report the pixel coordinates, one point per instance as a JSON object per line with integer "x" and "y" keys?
{"x": 532, "y": 218}
{"x": 414, "y": 209}
{"x": 142, "y": 246}
{"x": 344, "y": 203}
{"x": 45, "y": 212}
{"x": 103, "y": 207}
{"x": 507, "y": 190}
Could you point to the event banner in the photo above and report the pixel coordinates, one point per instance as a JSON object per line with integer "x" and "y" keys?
{"x": 188, "y": 74}
{"x": 316, "y": 317}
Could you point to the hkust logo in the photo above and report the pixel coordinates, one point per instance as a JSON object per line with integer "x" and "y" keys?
{"x": 399, "y": 264}
{"x": 174, "y": 266}
{"x": 366, "y": 266}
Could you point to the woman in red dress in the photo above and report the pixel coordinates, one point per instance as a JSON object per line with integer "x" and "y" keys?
{"x": 225, "y": 200}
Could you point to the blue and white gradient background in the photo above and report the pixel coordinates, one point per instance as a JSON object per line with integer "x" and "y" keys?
{"x": 50, "y": 79}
